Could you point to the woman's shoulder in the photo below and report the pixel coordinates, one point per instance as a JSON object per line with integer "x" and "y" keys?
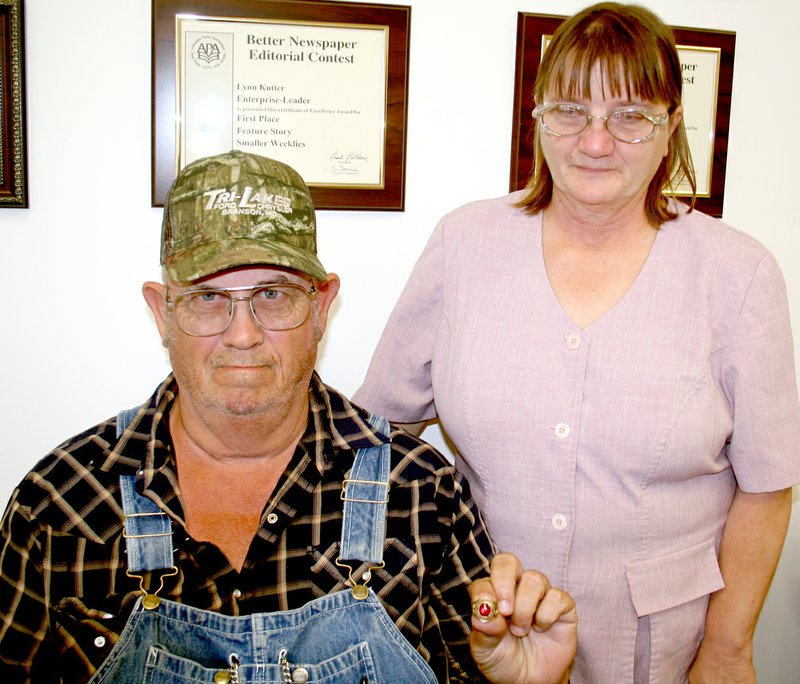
{"x": 723, "y": 261}
{"x": 504, "y": 204}
{"x": 701, "y": 227}
{"x": 711, "y": 238}
{"x": 496, "y": 214}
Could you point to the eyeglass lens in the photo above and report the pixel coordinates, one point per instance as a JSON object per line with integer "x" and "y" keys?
{"x": 275, "y": 307}
{"x": 626, "y": 126}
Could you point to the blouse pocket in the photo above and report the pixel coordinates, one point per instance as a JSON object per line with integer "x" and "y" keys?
{"x": 673, "y": 579}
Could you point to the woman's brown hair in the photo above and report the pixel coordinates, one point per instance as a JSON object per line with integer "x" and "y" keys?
{"x": 636, "y": 54}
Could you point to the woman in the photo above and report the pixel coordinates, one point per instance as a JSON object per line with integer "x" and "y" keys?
{"x": 615, "y": 370}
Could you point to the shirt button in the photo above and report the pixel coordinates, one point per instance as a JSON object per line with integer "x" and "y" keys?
{"x": 559, "y": 521}
{"x": 272, "y": 518}
{"x": 237, "y": 593}
{"x": 562, "y": 430}
{"x": 100, "y": 641}
{"x": 574, "y": 341}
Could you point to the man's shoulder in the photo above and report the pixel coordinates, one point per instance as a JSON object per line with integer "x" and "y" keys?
{"x": 418, "y": 455}
{"x": 76, "y": 453}
{"x": 412, "y": 457}
{"x": 78, "y": 479}
{"x": 61, "y": 485}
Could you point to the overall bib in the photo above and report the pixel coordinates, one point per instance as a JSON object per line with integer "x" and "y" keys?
{"x": 343, "y": 637}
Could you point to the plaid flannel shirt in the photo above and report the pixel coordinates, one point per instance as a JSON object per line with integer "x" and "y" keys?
{"x": 65, "y": 596}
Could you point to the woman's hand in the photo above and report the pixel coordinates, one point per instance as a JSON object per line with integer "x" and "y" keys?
{"x": 717, "y": 666}
{"x": 524, "y": 631}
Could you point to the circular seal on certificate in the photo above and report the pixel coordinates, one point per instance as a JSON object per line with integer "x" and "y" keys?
{"x": 208, "y": 52}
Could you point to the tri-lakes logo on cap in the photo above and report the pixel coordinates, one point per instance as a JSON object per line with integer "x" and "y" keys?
{"x": 248, "y": 202}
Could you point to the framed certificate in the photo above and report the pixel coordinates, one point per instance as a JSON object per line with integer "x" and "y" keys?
{"x": 321, "y": 86}
{"x": 13, "y": 153}
{"x": 707, "y": 63}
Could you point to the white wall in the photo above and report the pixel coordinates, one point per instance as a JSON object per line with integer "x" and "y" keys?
{"x": 78, "y": 342}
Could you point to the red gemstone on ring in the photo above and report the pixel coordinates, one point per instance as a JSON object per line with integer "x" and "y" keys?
{"x": 485, "y": 609}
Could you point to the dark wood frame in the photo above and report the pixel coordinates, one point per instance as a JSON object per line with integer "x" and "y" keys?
{"x": 13, "y": 149}
{"x": 396, "y": 17}
{"x": 531, "y": 28}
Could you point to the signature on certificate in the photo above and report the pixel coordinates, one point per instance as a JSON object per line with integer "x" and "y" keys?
{"x": 347, "y": 163}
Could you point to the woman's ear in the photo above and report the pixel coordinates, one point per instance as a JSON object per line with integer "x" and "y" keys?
{"x": 675, "y": 119}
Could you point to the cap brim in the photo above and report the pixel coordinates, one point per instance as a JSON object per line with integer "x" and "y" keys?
{"x": 205, "y": 260}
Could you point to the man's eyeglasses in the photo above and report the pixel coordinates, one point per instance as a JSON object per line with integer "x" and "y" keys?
{"x": 629, "y": 124}
{"x": 274, "y": 306}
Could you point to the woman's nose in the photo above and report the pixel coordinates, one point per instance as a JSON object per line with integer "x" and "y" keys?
{"x": 595, "y": 139}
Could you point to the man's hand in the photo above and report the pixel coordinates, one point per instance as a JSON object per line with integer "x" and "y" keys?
{"x": 532, "y": 634}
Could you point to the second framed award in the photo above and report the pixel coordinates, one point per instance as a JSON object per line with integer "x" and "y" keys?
{"x": 321, "y": 86}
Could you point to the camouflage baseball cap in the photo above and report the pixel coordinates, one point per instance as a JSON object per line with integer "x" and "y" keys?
{"x": 238, "y": 209}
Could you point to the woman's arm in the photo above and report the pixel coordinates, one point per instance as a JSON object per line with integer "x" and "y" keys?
{"x": 751, "y": 545}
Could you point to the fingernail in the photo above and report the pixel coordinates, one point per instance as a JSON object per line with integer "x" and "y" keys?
{"x": 517, "y": 631}
{"x": 505, "y": 607}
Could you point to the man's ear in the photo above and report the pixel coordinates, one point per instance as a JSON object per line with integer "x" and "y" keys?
{"x": 326, "y": 293}
{"x": 154, "y": 296}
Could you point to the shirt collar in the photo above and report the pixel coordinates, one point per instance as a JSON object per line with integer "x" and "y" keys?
{"x": 148, "y": 425}
{"x": 334, "y": 424}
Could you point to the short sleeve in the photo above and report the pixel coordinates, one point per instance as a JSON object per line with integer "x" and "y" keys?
{"x": 757, "y": 371}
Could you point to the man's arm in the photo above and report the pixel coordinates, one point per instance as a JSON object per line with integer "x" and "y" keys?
{"x": 468, "y": 552}
{"x": 534, "y": 636}
{"x": 23, "y": 607}
{"x": 751, "y": 545}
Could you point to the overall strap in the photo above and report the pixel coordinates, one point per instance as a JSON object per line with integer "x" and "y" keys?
{"x": 365, "y": 494}
{"x": 147, "y": 531}
{"x": 124, "y": 419}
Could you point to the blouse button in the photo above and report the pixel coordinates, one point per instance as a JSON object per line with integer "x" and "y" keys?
{"x": 559, "y": 521}
{"x": 574, "y": 341}
{"x": 562, "y": 430}
{"x": 272, "y": 518}
{"x": 100, "y": 641}
{"x": 237, "y": 593}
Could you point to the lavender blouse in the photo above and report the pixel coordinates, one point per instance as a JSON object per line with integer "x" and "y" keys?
{"x": 606, "y": 457}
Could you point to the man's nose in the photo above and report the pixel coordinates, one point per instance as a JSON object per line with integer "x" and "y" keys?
{"x": 244, "y": 331}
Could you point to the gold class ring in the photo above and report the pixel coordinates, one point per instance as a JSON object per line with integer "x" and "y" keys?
{"x": 485, "y": 610}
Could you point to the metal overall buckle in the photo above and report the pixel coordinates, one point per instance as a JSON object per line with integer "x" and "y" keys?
{"x": 360, "y": 591}
{"x": 149, "y": 601}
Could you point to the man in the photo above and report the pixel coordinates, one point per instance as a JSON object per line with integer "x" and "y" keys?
{"x": 247, "y": 523}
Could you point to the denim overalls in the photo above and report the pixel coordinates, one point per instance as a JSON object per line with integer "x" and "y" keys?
{"x": 346, "y": 636}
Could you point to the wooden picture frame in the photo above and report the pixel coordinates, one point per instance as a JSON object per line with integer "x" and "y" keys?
{"x": 383, "y": 185}
{"x": 532, "y": 32}
{"x": 13, "y": 147}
